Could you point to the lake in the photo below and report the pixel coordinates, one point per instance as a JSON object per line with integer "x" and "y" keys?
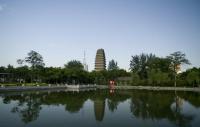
{"x": 100, "y": 108}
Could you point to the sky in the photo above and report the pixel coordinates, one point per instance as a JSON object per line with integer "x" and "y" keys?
{"x": 61, "y": 30}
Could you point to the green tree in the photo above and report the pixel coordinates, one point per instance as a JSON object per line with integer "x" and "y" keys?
{"x": 141, "y": 63}
{"x": 35, "y": 59}
{"x": 74, "y": 64}
{"x": 22, "y": 74}
{"x": 162, "y": 64}
{"x": 193, "y": 77}
{"x": 20, "y": 62}
{"x": 135, "y": 79}
{"x": 157, "y": 77}
{"x": 51, "y": 75}
{"x": 100, "y": 77}
{"x": 75, "y": 72}
{"x": 11, "y": 70}
{"x": 112, "y": 65}
{"x": 37, "y": 64}
{"x": 2, "y": 77}
{"x": 177, "y": 58}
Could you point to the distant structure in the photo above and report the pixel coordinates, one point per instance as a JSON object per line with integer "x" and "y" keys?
{"x": 100, "y": 60}
{"x": 85, "y": 66}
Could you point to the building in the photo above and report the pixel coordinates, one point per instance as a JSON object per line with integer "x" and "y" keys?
{"x": 100, "y": 60}
{"x": 85, "y": 66}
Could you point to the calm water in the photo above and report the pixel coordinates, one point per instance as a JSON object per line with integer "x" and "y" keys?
{"x": 100, "y": 108}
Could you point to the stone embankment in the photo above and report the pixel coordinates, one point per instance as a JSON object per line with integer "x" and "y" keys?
{"x": 152, "y": 88}
{"x": 49, "y": 87}
{"x": 91, "y": 86}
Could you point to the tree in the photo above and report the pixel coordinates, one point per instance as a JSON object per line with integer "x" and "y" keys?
{"x": 35, "y": 59}
{"x": 20, "y": 77}
{"x": 141, "y": 63}
{"x": 37, "y": 63}
{"x": 10, "y": 69}
{"x": 2, "y": 77}
{"x": 193, "y": 77}
{"x": 135, "y": 79}
{"x": 177, "y": 58}
{"x": 135, "y": 64}
{"x": 75, "y": 71}
{"x": 160, "y": 63}
{"x": 20, "y": 61}
{"x": 74, "y": 64}
{"x": 155, "y": 76}
{"x": 22, "y": 73}
{"x": 112, "y": 65}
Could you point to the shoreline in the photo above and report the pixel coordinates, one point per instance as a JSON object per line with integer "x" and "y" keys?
{"x": 81, "y": 87}
{"x": 154, "y": 88}
{"x": 43, "y": 88}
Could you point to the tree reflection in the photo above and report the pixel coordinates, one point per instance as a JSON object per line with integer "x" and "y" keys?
{"x": 181, "y": 119}
{"x": 72, "y": 101}
{"x": 112, "y": 105}
{"x": 158, "y": 106}
{"x": 115, "y": 99}
{"x": 150, "y": 105}
{"x": 28, "y": 107}
{"x": 29, "y": 112}
{"x": 153, "y": 105}
{"x": 75, "y": 103}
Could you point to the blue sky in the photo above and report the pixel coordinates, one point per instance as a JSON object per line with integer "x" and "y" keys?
{"x": 61, "y": 30}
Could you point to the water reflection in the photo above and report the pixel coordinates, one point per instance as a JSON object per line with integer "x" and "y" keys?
{"x": 176, "y": 108}
{"x": 99, "y": 109}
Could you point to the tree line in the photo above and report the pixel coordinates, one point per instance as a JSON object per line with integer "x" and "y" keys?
{"x": 145, "y": 69}
{"x": 152, "y": 70}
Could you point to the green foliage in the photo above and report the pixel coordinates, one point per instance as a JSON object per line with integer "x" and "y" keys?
{"x": 157, "y": 77}
{"x": 103, "y": 77}
{"x": 75, "y": 73}
{"x": 141, "y": 63}
{"x": 157, "y": 71}
{"x": 34, "y": 58}
{"x": 177, "y": 58}
{"x": 146, "y": 69}
{"x": 135, "y": 79}
{"x": 112, "y": 65}
{"x": 37, "y": 66}
{"x": 193, "y": 77}
{"x": 20, "y": 61}
{"x": 160, "y": 63}
{"x": 74, "y": 64}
